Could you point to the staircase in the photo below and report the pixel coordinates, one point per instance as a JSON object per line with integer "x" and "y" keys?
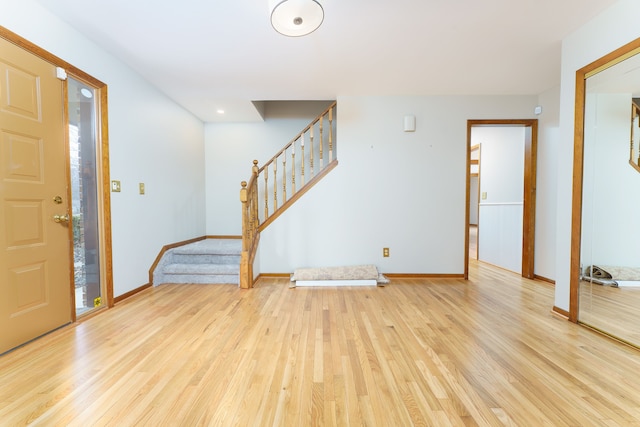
{"x": 271, "y": 190}
{"x": 214, "y": 261}
{"x": 281, "y": 181}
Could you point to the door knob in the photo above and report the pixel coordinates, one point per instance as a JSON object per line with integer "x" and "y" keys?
{"x": 61, "y": 218}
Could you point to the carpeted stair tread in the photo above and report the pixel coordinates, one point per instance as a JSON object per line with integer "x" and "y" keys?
{"x": 208, "y": 279}
{"x": 217, "y": 269}
{"x": 211, "y": 247}
{"x": 205, "y": 259}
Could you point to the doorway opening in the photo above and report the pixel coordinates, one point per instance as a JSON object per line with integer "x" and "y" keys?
{"x": 530, "y": 128}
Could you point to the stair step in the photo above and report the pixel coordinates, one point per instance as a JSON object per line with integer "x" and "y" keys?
{"x": 203, "y": 269}
{"x": 211, "y": 247}
{"x": 205, "y": 279}
{"x": 179, "y": 258}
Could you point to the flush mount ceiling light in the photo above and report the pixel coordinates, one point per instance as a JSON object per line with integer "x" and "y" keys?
{"x": 86, "y": 93}
{"x": 295, "y": 18}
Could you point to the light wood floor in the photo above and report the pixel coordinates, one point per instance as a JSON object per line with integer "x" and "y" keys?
{"x": 611, "y": 309}
{"x": 434, "y": 352}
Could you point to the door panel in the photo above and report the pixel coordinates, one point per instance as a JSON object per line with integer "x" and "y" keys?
{"x": 35, "y": 280}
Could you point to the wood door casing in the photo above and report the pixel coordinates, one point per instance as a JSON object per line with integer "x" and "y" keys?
{"x": 35, "y": 261}
{"x": 529, "y": 194}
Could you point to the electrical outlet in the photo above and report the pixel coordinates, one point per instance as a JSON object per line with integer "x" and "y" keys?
{"x": 385, "y": 252}
{"x": 115, "y": 186}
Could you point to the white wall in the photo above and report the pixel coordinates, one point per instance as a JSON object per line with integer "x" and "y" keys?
{"x": 152, "y": 140}
{"x": 502, "y": 180}
{"x": 546, "y": 183}
{"x": 611, "y": 29}
{"x": 395, "y": 189}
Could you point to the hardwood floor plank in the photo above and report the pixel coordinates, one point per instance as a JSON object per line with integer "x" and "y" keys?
{"x": 420, "y": 351}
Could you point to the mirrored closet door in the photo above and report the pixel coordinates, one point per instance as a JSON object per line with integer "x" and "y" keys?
{"x": 606, "y": 254}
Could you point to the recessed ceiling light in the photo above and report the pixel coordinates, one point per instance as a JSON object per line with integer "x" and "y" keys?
{"x": 220, "y": 111}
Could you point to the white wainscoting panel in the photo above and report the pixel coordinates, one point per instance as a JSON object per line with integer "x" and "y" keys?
{"x": 500, "y": 235}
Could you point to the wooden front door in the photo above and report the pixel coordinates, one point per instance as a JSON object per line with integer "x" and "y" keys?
{"x": 35, "y": 280}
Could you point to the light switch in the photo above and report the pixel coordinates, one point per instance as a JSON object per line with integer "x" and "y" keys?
{"x": 115, "y": 186}
{"x": 141, "y": 187}
{"x": 484, "y": 195}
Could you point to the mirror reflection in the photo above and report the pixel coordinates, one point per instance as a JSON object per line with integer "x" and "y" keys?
{"x": 609, "y": 291}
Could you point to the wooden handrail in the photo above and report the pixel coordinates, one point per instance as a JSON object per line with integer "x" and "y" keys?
{"x": 285, "y": 187}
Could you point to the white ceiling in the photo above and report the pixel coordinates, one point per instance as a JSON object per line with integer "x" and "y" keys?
{"x": 223, "y": 54}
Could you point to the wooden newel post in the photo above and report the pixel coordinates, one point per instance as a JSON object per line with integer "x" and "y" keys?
{"x": 244, "y": 255}
{"x": 248, "y": 198}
